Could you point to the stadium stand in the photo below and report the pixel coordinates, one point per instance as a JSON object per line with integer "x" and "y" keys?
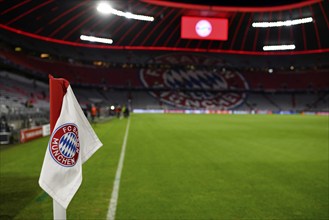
{"x": 16, "y": 91}
{"x": 151, "y": 66}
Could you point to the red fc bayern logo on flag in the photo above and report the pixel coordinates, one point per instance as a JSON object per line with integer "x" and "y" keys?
{"x": 64, "y": 145}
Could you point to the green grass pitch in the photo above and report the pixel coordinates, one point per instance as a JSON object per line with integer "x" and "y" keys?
{"x": 187, "y": 167}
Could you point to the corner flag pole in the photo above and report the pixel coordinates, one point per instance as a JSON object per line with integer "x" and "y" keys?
{"x": 57, "y": 90}
{"x": 59, "y": 211}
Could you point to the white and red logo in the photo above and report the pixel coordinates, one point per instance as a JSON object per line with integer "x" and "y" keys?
{"x": 203, "y": 28}
{"x": 64, "y": 146}
{"x": 196, "y": 88}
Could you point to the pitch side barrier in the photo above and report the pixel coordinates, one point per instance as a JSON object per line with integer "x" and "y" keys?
{"x": 34, "y": 133}
{"x": 225, "y": 112}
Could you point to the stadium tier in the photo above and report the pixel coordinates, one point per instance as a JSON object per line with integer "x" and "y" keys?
{"x": 186, "y": 86}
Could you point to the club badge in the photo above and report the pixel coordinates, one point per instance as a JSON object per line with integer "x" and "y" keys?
{"x": 199, "y": 88}
{"x": 64, "y": 145}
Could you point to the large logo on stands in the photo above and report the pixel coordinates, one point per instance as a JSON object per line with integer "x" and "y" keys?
{"x": 64, "y": 145}
{"x": 194, "y": 82}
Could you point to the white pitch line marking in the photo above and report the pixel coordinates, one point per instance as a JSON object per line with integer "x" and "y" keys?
{"x": 116, "y": 184}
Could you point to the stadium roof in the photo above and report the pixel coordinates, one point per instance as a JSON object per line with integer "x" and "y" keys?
{"x": 242, "y": 3}
{"x": 63, "y": 22}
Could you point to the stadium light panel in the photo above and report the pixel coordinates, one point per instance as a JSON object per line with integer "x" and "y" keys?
{"x": 96, "y": 39}
{"x": 282, "y": 23}
{"x": 105, "y": 8}
{"x": 279, "y": 47}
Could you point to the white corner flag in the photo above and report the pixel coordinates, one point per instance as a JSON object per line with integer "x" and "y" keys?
{"x": 72, "y": 142}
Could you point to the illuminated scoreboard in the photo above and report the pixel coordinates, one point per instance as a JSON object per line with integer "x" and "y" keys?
{"x": 203, "y": 28}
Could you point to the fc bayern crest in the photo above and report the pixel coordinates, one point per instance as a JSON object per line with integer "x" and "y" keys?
{"x": 194, "y": 88}
{"x": 203, "y": 28}
{"x": 64, "y": 146}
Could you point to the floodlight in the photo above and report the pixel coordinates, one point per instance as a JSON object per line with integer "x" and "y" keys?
{"x": 282, "y": 23}
{"x": 279, "y": 47}
{"x": 96, "y": 39}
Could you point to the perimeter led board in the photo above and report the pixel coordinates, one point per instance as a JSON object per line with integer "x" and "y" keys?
{"x": 203, "y": 28}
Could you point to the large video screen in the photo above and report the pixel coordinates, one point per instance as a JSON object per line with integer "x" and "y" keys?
{"x": 203, "y": 28}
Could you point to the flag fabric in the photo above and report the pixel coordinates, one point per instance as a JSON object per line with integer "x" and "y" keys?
{"x": 72, "y": 142}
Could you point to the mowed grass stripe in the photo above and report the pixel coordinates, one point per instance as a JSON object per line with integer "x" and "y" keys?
{"x": 225, "y": 167}
{"x": 21, "y": 196}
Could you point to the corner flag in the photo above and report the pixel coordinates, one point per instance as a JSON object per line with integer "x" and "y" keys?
{"x": 72, "y": 142}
